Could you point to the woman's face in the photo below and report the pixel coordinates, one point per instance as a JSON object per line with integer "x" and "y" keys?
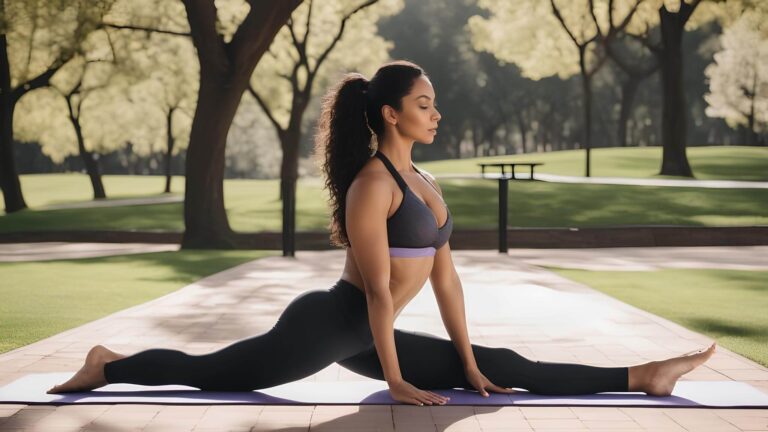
{"x": 419, "y": 116}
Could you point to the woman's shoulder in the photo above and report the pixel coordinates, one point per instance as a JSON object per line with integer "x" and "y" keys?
{"x": 373, "y": 172}
{"x": 372, "y": 178}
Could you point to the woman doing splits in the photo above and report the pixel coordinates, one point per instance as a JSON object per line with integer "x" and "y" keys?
{"x": 393, "y": 222}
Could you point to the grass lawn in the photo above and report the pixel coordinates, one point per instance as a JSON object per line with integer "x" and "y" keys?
{"x": 252, "y": 206}
{"x": 727, "y": 305}
{"x": 41, "y": 299}
{"x": 708, "y": 163}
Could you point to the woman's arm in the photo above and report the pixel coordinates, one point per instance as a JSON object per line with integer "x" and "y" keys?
{"x": 450, "y": 298}
{"x": 368, "y": 201}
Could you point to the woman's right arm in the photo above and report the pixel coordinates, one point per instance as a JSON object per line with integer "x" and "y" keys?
{"x": 368, "y": 200}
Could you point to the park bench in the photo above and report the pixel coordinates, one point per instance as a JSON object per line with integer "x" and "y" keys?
{"x": 511, "y": 166}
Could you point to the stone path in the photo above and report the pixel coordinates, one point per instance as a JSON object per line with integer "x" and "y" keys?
{"x": 164, "y": 199}
{"x": 46, "y": 251}
{"x": 552, "y": 319}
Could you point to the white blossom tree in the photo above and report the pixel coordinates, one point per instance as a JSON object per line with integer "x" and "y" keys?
{"x": 738, "y": 78}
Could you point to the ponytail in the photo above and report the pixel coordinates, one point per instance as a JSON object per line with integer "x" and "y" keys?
{"x": 344, "y": 139}
{"x": 350, "y": 117}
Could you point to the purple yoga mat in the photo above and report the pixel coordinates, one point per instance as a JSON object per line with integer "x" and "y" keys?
{"x": 31, "y": 389}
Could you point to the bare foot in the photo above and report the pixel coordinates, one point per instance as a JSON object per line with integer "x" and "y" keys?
{"x": 91, "y": 375}
{"x": 663, "y": 374}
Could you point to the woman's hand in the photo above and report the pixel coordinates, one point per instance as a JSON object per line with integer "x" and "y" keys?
{"x": 403, "y": 391}
{"x": 480, "y": 382}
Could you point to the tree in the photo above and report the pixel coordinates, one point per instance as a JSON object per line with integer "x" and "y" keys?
{"x": 318, "y": 34}
{"x": 637, "y": 67}
{"x": 95, "y": 116}
{"x": 37, "y": 38}
{"x": 169, "y": 89}
{"x": 539, "y": 37}
{"x": 738, "y": 78}
{"x": 671, "y": 21}
{"x": 225, "y": 71}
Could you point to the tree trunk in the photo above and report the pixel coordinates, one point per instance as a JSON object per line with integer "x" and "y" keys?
{"x": 628, "y": 93}
{"x": 751, "y": 117}
{"x": 289, "y": 174}
{"x": 9, "y": 176}
{"x": 586, "y": 84}
{"x": 204, "y": 214}
{"x": 523, "y": 131}
{"x": 673, "y": 113}
{"x": 90, "y": 162}
{"x": 169, "y": 148}
{"x": 225, "y": 69}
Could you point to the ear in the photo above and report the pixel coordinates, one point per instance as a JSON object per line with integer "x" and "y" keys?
{"x": 389, "y": 114}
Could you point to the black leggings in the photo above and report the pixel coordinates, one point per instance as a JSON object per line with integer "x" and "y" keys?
{"x": 321, "y": 327}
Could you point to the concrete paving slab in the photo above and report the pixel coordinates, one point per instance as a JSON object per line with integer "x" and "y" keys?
{"x": 246, "y": 300}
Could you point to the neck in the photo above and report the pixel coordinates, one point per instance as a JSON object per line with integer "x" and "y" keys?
{"x": 398, "y": 151}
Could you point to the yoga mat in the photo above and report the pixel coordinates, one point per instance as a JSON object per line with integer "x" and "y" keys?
{"x": 31, "y": 389}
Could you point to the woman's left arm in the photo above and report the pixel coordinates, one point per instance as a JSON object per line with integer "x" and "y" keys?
{"x": 450, "y": 299}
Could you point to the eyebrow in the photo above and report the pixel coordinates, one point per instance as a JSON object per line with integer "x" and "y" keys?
{"x": 423, "y": 96}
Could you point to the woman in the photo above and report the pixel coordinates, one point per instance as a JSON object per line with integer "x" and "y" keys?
{"x": 395, "y": 226}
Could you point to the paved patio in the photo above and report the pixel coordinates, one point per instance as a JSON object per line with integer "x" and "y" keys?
{"x": 553, "y": 319}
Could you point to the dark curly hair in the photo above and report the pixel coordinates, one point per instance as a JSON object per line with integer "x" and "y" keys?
{"x": 349, "y": 119}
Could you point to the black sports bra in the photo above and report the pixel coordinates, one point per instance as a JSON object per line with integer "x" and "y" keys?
{"x": 412, "y": 229}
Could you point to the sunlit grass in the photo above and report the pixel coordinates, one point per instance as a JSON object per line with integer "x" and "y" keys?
{"x": 253, "y": 205}
{"x": 707, "y": 163}
{"x": 726, "y": 305}
{"x": 40, "y": 299}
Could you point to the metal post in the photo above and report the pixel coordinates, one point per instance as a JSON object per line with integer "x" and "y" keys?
{"x": 503, "y": 187}
{"x": 289, "y": 218}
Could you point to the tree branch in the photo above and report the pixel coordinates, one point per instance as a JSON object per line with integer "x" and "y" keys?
{"x": 686, "y": 10}
{"x": 251, "y": 40}
{"x": 591, "y": 4}
{"x": 145, "y": 29}
{"x": 265, "y": 108}
{"x": 43, "y": 79}
{"x": 336, "y": 39}
{"x": 202, "y": 24}
{"x": 309, "y": 22}
{"x": 559, "y": 17}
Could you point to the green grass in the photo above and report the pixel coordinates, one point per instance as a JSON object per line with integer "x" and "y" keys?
{"x": 252, "y": 205}
{"x": 726, "y": 305}
{"x": 707, "y": 163}
{"x": 40, "y": 299}
{"x": 50, "y": 189}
